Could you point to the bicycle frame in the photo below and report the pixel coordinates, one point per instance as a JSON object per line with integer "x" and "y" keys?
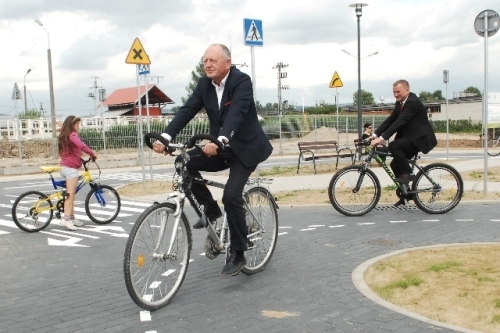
{"x": 373, "y": 154}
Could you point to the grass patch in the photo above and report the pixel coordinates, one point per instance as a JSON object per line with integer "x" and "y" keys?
{"x": 464, "y": 293}
{"x": 443, "y": 266}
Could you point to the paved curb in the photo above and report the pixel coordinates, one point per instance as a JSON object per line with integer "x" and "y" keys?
{"x": 359, "y": 282}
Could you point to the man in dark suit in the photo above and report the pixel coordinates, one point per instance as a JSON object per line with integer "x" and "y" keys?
{"x": 226, "y": 94}
{"x": 414, "y": 131}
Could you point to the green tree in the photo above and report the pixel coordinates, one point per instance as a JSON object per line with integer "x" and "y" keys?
{"x": 366, "y": 98}
{"x": 259, "y": 106}
{"x": 30, "y": 114}
{"x": 196, "y": 74}
{"x": 473, "y": 90}
{"x": 271, "y": 106}
{"x": 425, "y": 96}
{"x": 438, "y": 94}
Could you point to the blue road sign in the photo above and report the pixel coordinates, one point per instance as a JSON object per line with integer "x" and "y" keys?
{"x": 143, "y": 69}
{"x": 253, "y": 34}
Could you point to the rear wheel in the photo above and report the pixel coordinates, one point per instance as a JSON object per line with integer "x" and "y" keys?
{"x": 443, "y": 193}
{"x": 494, "y": 147}
{"x": 152, "y": 274}
{"x": 262, "y": 223}
{"x": 102, "y": 204}
{"x": 32, "y": 211}
{"x": 350, "y": 198}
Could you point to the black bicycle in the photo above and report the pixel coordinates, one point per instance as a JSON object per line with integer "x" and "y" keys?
{"x": 355, "y": 190}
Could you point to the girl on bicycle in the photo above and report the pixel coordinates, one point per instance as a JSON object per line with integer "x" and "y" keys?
{"x": 70, "y": 150}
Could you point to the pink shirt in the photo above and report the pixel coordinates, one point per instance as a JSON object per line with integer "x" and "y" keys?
{"x": 71, "y": 157}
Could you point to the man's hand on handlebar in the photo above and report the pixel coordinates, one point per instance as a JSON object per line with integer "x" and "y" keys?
{"x": 210, "y": 149}
{"x": 377, "y": 142}
{"x": 159, "y": 148}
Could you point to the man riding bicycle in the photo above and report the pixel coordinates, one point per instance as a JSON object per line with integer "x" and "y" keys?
{"x": 413, "y": 130}
{"x": 226, "y": 94}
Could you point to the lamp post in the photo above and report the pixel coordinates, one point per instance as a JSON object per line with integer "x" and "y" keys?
{"x": 281, "y": 75}
{"x": 25, "y": 98}
{"x": 51, "y": 88}
{"x": 358, "y": 9}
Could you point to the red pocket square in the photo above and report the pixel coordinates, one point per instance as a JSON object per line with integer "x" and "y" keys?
{"x": 228, "y": 103}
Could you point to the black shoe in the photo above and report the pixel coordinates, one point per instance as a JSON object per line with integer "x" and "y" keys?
{"x": 234, "y": 263}
{"x": 405, "y": 178}
{"x": 400, "y": 202}
{"x": 211, "y": 211}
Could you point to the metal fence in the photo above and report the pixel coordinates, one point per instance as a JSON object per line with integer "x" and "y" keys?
{"x": 24, "y": 139}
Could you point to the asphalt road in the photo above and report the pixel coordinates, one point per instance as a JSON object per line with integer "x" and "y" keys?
{"x": 62, "y": 281}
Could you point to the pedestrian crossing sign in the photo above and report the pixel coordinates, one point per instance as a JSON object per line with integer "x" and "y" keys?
{"x": 336, "y": 82}
{"x": 253, "y": 34}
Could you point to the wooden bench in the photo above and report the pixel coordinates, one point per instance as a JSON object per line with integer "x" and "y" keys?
{"x": 315, "y": 150}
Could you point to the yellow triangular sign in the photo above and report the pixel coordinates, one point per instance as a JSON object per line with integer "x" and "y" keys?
{"x": 137, "y": 54}
{"x": 336, "y": 82}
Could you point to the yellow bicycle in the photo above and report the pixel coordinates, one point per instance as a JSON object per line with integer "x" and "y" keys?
{"x": 33, "y": 210}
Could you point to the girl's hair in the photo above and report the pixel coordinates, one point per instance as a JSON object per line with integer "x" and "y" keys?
{"x": 68, "y": 126}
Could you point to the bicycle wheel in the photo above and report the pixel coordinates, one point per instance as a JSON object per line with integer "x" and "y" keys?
{"x": 102, "y": 204}
{"x": 493, "y": 148}
{"x": 262, "y": 222}
{"x": 152, "y": 275}
{"x": 444, "y": 195}
{"x": 343, "y": 196}
{"x": 32, "y": 211}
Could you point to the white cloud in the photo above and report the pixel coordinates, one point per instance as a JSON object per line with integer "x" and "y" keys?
{"x": 415, "y": 40}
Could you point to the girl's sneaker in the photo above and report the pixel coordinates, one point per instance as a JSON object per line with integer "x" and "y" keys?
{"x": 66, "y": 222}
{"x": 76, "y": 222}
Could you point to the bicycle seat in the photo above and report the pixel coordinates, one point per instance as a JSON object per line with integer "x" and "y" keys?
{"x": 50, "y": 168}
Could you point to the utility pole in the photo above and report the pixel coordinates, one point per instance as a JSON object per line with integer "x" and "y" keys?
{"x": 281, "y": 75}
{"x": 94, "y": 94}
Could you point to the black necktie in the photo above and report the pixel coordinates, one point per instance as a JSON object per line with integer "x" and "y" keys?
{"x": 402, "y": 106}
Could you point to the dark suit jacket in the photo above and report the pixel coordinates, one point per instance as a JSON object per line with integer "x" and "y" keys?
{"x": 236, "y": 119}
{"x": 412, "y": 123}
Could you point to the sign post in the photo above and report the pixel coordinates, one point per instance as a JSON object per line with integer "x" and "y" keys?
{"x": 138, "y": 56}
{"x": 253, "y": 36}
{"x": 486, "y": 25}
{"x": 336, "y": 83}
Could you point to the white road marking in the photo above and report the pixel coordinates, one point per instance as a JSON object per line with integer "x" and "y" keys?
{"x": 284, "y": 227}
{"x": 145, "y": 315}
{"x": 337, "y": 226}
{"x": 70, "y": 241}
{"x": 75, "y": 233}
{"x": 9, "y": 224}
{"x": 307, "y": 229}
{"x": 366, "y": 223}
{"x": 316, "y": 226}
{"x": 464, "y": 220}
{"x": 282, "y": 233}
{"x": 4, "y": 232}
{"x": 398, "y": 221}
{"x": 430, "y": 220}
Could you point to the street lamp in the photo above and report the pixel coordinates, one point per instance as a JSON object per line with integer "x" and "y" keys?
{"x": 25, "y": 98}
{"x": 51, "y": 88}
{"x": 358, "y": 9}
{"x": 371, "y": 54}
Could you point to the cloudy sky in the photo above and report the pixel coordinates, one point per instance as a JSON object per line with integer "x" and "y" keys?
{"x": 415, "y": 39}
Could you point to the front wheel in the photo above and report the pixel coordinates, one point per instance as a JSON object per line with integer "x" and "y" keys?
{"x": 438, "y": 189}
{"x": 262, "y": 223}
{"x": 354, "y": 191}
{"x": 32, "y": 211}
{"x": 494, "y": 147}
{"x": 153, "y": 274}
{"x": 102, "y": 204}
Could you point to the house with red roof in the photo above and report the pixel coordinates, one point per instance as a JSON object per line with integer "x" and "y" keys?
{"x": 124, "y": 102}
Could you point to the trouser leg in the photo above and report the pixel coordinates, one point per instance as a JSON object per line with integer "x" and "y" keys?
{"x": 402, "y": 149}
{"x": 200, "y": 162}
{"x": 233, "y": 204}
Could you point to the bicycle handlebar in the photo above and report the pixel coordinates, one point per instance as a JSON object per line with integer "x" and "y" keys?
{"x": 189, "y": 144}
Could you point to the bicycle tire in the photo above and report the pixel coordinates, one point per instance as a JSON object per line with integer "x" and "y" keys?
{"x": 102, "y": 204}
{"x": 262, "y": 221}
{"x": 152, "y": 280}
{"x": 493, "y": 148}
{"x": 32, "y": 221}
{"x": 347, "y": 202}
{"x": 443, "y": 197}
